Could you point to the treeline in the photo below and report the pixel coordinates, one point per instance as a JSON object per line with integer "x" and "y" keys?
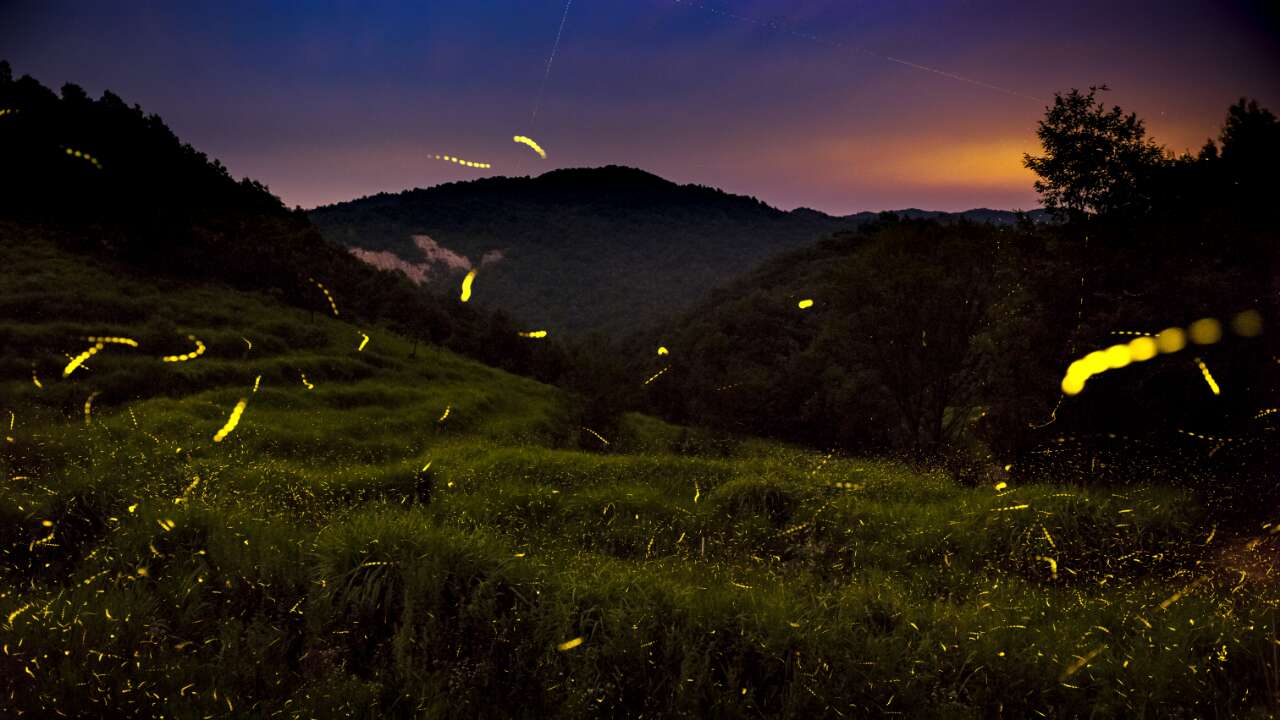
{"x": 108, "y": 180}
{"x": 949, "y": 342}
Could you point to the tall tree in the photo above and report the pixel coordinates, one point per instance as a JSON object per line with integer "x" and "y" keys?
{"x": 915, "y": 304}
{"x": 1095, "y": 160}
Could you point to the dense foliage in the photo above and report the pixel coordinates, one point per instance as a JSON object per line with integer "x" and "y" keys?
{"x": 592, "y": 249}
{"x": 951, "y": 340}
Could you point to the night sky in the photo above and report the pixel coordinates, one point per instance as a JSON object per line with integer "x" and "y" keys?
{"x": 837, "y": 105}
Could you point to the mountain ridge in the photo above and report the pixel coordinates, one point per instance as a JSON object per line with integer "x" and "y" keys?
{"x": 640, "y": 247}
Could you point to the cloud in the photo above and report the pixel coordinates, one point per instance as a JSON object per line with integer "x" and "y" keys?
{"x": 435, "y": 256}
{"x": 384, "y": 260}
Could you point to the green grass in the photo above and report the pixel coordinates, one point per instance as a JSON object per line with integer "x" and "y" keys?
{"x": 306, "y": 566}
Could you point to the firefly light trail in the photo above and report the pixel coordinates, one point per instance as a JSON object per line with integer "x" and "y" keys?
{"x": 466, "y": 285}
{"x": 460, "y": 161}
{"x": 333, "y": 305}
{"x": 232, "y": 421}
{"x": 533, "y": 145}
{"x": 187, "y": 356}
{"x": 77, "y": 361}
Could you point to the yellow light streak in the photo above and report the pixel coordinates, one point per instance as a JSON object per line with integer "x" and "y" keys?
{"x": 14, "y": 615}
{"x": 333, "y": 305}
{"x": 304, "y": 381}
{"x": 255, "y": 383}
{"x": 655, "y": 375}
{"x": 466, "y": 285}
{"x": 460, "y": 161}
{"x": 200, "y": 348}
{"x": 77, "y": 361}
{"x": 805, "y": 304}
{"x": 7, "y": 111}
{"x": 1205, "y": 332}
{"x": 1081, "y": 661}
{"x": 447, "y": 408}
{"x": 529, "y": 141}
{"x": 84, "y": 156}
{"x": 1208, "y": 377}
{"x": 1053, "y": 564}
{"x": 662, "y": 350}
{"x": 363, "y": 342}
{"x": 570, "y": 644}
{"x": 232, "y": 421}
{"x": 88, "y": 408}
{"x": 598, "y": 435}
{"x": 533, "y": 334}
{"x": 112, "y": 340}
{"x": 1009, "y": 508}
{"x": 248, "y": 342}
{"x": 36, "y": 380}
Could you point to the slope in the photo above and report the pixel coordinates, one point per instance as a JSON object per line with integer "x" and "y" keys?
{"x": 352, "y": 549}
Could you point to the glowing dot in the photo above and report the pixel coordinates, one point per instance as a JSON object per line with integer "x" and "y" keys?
{"x": 1247, "y": 323}
{"x": 1171, "y": 340}
{"x": 1205, "y": 332}
{"x": 1143, "y": 348}
{"x": 1072, "y": 385}
{"x": 1117, "y": 356}
{"x": 805, "y": 304}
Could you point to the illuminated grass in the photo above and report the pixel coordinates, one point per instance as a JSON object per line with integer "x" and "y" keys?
{"x": 308, "y": 565}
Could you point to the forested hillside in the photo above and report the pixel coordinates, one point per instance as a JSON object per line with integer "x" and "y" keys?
{"x": 593, "y": 249}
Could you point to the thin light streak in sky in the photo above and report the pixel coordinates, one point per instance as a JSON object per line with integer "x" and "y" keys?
{"x": 834, "y": 43}
{"x": 550, "y": 59}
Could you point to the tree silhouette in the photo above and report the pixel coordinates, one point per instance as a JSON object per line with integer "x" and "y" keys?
{"x": 1095, "y": 160}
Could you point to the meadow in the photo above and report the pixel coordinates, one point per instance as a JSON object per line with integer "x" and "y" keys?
{"x": 392, "y": 530}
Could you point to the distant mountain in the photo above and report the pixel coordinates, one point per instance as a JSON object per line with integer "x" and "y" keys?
{"x": 582, "y": 249}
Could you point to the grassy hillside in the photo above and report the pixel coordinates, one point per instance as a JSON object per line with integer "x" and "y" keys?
{"x": 307, "y": 565}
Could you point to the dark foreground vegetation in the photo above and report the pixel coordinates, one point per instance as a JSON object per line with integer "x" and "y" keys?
{"x": 394, "y": 530}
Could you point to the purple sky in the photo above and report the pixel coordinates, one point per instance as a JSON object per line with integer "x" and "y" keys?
{"x": 838, "y": 105}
